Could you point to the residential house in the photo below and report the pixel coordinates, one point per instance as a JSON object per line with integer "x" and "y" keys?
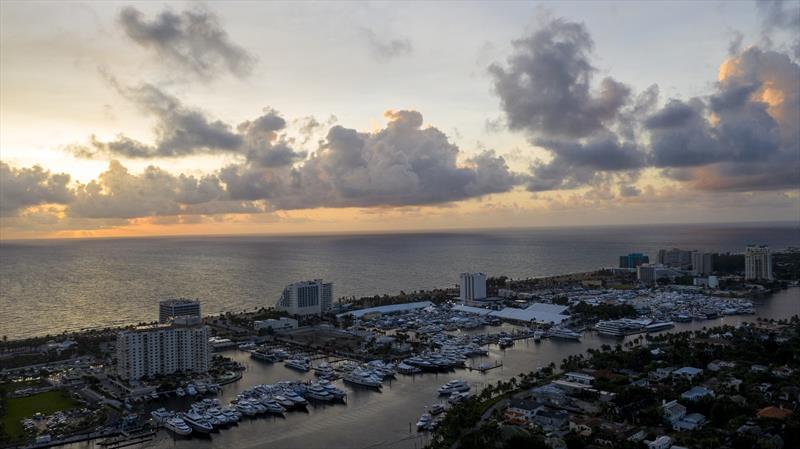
{"x": 673, "y": 411}
{"x": 691, "y": 421}
{"x": 688, "y": 372}
{"x": 551, "y": 421}
{"x": 522, "y": 411}
{"x": 696, "y": 393}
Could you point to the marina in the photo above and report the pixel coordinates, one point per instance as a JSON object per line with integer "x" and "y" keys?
{"x": 394, "y": 412}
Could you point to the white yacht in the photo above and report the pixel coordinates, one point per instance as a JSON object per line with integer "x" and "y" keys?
{"x": 197, "y": 422}
{"x": 180, "y": 392}
{"x": 620, "y": 328}
{"x": 318, "y": 392}
{"x": 336, "y": 392}
{"x": 659, "y": 326}
{"x": 404, "y": 368}
{"x": 455, "y": 385}
{"x": 564, "y": 334}
{"x": 191, "y": 390}
{"x": 424, "y": 422}
{"x": 161, "y": 415}
{"x": 457, "y": 397}
{"x": 363, "y": 378}
{"x": 436, "y": 409}
{"x": 296, "y": 398}
{"x": 273, "y": 407}
{"x": 298, "y": 364}
{"x": 177, "y": 425}
{"x": 324, "y": 370}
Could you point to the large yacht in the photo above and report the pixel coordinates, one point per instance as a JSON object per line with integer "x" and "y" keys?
{"x": 161, "y": 415}
{"x": 453, "y": 386}
{"x": 620, "y": 328}
{"x": 298, "y": 364}
{"x": 318, "y": 392}
{"x": 564, "y": 334}
{"x": 177, "y": 425}
{"x": 424, "y": 422}
{"x": 363, "y": 378}
{"x": 197, "y": 422}
{"x": 659, "y": 326}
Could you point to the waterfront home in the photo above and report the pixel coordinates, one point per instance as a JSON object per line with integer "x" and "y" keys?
{"x": 551, "y": 421}
{"x": 522, "y": 411}
{"x": 687, "y": 372}
{"x": 661, "y": 373}
{"x": 583, "y": 425}
{"x": 696, "y": 393}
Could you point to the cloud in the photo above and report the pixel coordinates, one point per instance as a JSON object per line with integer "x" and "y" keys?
{"x": 25, "y": 187}
{"x": 179, "y": 130}
{"x": 192, "y": 40}
{"x": 119, "y": 194}
{"x": 775, "y": 17}
{"x": 745, "y": 134}
{"x": 386, "y": 48}
{"x": 546, "y": 87}
{"x": 402, "y": 164}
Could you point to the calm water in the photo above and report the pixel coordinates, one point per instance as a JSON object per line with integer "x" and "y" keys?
{"x": 49, "y": 287}
{"x": 385, "y": 419}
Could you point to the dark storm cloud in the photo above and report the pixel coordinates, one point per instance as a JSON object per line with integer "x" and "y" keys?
{"x": 386, "y": 48}
{"x": 25, "y": 187}
{"x": 192, "y": 40}
{"x": 402, "y": 164}
{"x": 546, "y": 87}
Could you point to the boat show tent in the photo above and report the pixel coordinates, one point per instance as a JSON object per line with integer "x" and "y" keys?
{"x": 388, "y": 309}
{"x": 470, "y": 309}
{"x": 528, "y": 315}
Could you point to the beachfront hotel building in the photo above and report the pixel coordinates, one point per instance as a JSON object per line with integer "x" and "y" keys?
{"x": 472, "y": 287}
{"x": 171, "y": 308}
{"x": 161, "y": 349}
{"x": 757, "y": 263}
{"x": 306, "y": 298}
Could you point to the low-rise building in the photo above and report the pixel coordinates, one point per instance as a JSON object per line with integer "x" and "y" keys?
{"x": 581, "y": 378}
{"x": 281, "y": 324}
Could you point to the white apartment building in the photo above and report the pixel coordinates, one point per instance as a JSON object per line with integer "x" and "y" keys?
{"x": 473, "y": 286}
{"x": 164, "y": 349}
{"x": 758, "y": 263}
{"x": 171, "y": 308}
{"x": 306, "y": 298}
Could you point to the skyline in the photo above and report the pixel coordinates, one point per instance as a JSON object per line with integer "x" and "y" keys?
{"x": 178, "y": 120}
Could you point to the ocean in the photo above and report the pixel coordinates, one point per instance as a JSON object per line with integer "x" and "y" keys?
{"x": 51, "y": 286}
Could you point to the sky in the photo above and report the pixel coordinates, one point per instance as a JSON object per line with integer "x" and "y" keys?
{"x": 172, "y": 118}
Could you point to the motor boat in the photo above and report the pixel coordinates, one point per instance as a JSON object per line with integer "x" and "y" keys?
{"x": 436, "y": 409}
{"x": 177, "y": 425}
{"x": 455, "y": 385}
{"x": 197, "y": 422}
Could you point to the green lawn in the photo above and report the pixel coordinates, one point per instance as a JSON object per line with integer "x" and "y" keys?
{"x": 17, "y": 409}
